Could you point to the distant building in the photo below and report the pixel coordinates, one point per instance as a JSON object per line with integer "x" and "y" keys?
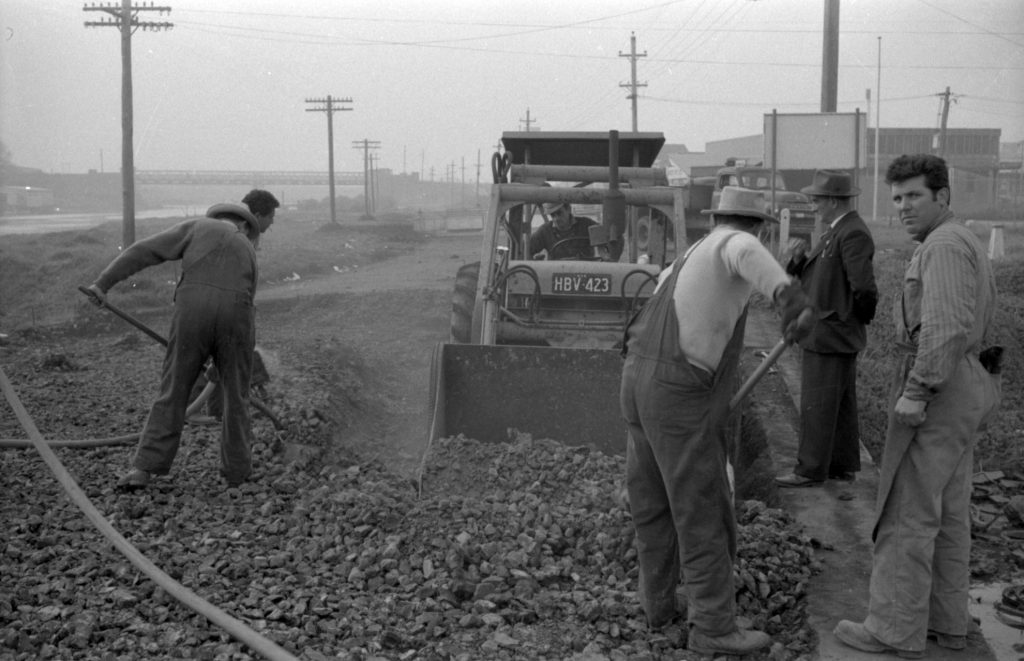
{"x": 19, "y": 200}
{"x": 986, "y": 178}
{"x": 973, "y": 156}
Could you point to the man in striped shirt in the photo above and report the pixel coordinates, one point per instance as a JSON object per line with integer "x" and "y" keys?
{"x": 943, "y": 395}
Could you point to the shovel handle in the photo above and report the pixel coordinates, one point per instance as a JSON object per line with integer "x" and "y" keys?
{"x": 127, "y": 317}
{"x": 761, "y": 370}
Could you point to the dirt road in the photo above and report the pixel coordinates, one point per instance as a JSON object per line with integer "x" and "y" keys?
{"x": 377, "y": 326}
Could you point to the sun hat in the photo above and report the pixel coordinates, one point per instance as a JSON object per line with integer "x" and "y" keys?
{"x": 737, "y": 201}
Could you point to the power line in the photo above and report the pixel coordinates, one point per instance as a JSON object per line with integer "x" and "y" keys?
{"x": 589, "y": 24}
{"x": 320, "y": 40}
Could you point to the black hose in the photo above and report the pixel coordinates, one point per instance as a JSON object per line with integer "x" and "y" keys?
{"x": 126, "y": 439}
{"x": 239, "y": 630}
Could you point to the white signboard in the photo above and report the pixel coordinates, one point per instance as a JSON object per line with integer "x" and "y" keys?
{"x": 815, "y": 140}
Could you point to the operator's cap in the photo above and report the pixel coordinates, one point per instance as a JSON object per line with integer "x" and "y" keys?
{"x": 551, "y": 207}
{"x": 233, "y": 210}
{"x": 736, "y": 201}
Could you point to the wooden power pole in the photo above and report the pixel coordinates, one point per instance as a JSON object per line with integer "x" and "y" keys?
{"x": 947, "y": 98}
{"x": 830, "y": 58}
{"x": 327, "y": 105}
{"x": 632, "y": 84}
{"x": 366, "y": 146}
{"x": 125, "y": 17}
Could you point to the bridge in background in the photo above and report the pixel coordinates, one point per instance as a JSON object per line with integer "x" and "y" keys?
{"x": 246, "y": 178}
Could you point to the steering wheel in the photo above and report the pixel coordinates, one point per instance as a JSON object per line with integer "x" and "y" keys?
{"x": 577, "y": 254}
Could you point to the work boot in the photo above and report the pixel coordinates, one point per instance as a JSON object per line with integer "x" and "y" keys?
{"x": 856, "y": 636}
{"x": 794, "y": 480}
{"x": 738, "y": 642}
{"x": 947, "y": 640}
{"x": 134, "y": 480}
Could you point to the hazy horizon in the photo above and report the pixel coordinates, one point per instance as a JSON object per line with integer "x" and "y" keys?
{"x": 435, "y": 82}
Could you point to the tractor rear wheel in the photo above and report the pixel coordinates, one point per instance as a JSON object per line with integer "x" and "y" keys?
{"x": 463, "y": 302}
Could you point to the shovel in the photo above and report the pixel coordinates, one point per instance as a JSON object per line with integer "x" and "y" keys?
{"x": 260, "y": 406}
{"x": 757, "y": 374}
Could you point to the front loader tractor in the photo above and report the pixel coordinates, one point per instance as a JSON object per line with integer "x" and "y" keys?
{"x": 535, "y": 343}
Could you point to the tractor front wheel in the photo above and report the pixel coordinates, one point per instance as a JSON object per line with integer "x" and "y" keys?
{"x": 463, "y": 302}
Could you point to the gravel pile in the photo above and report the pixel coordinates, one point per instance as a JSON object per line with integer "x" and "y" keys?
{"x": 498, "y": 551}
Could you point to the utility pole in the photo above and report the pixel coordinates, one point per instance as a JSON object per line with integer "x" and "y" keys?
{"x": 947, "y": 98}
{"x": 366, "y": 146}
{"x": 527, "y": 121}
{"x": 878, "y": 128}
{"x": 327, "y": 105}
{"x": 830, "y": 58}
{"x": 462, "y": 185}
{"x": 125, "y": 17}
{"x": 476, "y": 192}
{"x": 373, "y": 185}
{"x": 632, "y": 85}
{"x": 451, "y": 185}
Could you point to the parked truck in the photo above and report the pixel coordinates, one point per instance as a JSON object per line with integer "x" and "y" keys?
{"x": 778, "y": 200}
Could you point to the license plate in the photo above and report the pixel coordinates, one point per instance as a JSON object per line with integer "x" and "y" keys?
{"x": 581, "y": 283}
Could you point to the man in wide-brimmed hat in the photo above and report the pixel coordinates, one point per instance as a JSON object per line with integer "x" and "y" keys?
{"x": 213, "y": 318}
{"x": 838, "y": 276}
{"x": 681, "y": 358}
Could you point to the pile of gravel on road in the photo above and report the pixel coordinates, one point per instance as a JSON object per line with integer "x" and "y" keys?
{"x": 500, "y": 551}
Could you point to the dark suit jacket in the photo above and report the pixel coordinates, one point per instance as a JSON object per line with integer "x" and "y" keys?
{"x": 838, "y": 276}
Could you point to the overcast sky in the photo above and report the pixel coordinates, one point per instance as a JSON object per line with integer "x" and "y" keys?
{"x": 436, "y": 82}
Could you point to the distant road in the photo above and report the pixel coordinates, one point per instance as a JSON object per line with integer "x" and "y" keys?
{"x": 62, "y": 222}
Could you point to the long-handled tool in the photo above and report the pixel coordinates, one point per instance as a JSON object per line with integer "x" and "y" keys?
{"x": 260, "y": 406}
{"x": 757, "y": 374}
{"x": 805, "y": 320}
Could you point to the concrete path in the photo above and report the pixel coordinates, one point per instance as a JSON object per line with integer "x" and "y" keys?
{"x": 839, "y": 515}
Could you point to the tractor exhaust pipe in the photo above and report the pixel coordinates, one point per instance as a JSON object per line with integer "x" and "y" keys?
{"x": 613, "y": 208}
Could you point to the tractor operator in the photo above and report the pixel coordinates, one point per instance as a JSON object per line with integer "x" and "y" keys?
{"x": 565, "y": 236}
{"x": 213, "y": 317}
{"x": 682, "y": 355}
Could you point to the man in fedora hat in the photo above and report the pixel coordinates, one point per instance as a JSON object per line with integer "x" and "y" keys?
{"x": 681, "y": 357}
{"x": 565, "y": 236}
{"x": 838, "y": 276}
{"x": 213, "y": 318}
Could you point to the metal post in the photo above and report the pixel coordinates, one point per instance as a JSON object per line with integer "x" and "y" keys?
{"x": 878, "y": 128}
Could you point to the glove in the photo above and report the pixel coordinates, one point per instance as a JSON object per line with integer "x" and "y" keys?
{"x": 797, "y": 312}
{"x": 97, "y": 296}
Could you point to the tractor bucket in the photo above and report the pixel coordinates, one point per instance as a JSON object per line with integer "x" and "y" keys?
{"x": 487, "y": 392}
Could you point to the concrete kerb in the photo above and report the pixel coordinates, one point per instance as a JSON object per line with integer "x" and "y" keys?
{"x": 838, "y": 515}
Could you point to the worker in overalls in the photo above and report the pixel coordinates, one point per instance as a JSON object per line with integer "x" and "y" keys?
{"x": 213, "y": 318}
{"x": 681, "y": 363}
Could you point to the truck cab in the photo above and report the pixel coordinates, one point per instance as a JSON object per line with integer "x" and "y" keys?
{"x": 777, "y": 198}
